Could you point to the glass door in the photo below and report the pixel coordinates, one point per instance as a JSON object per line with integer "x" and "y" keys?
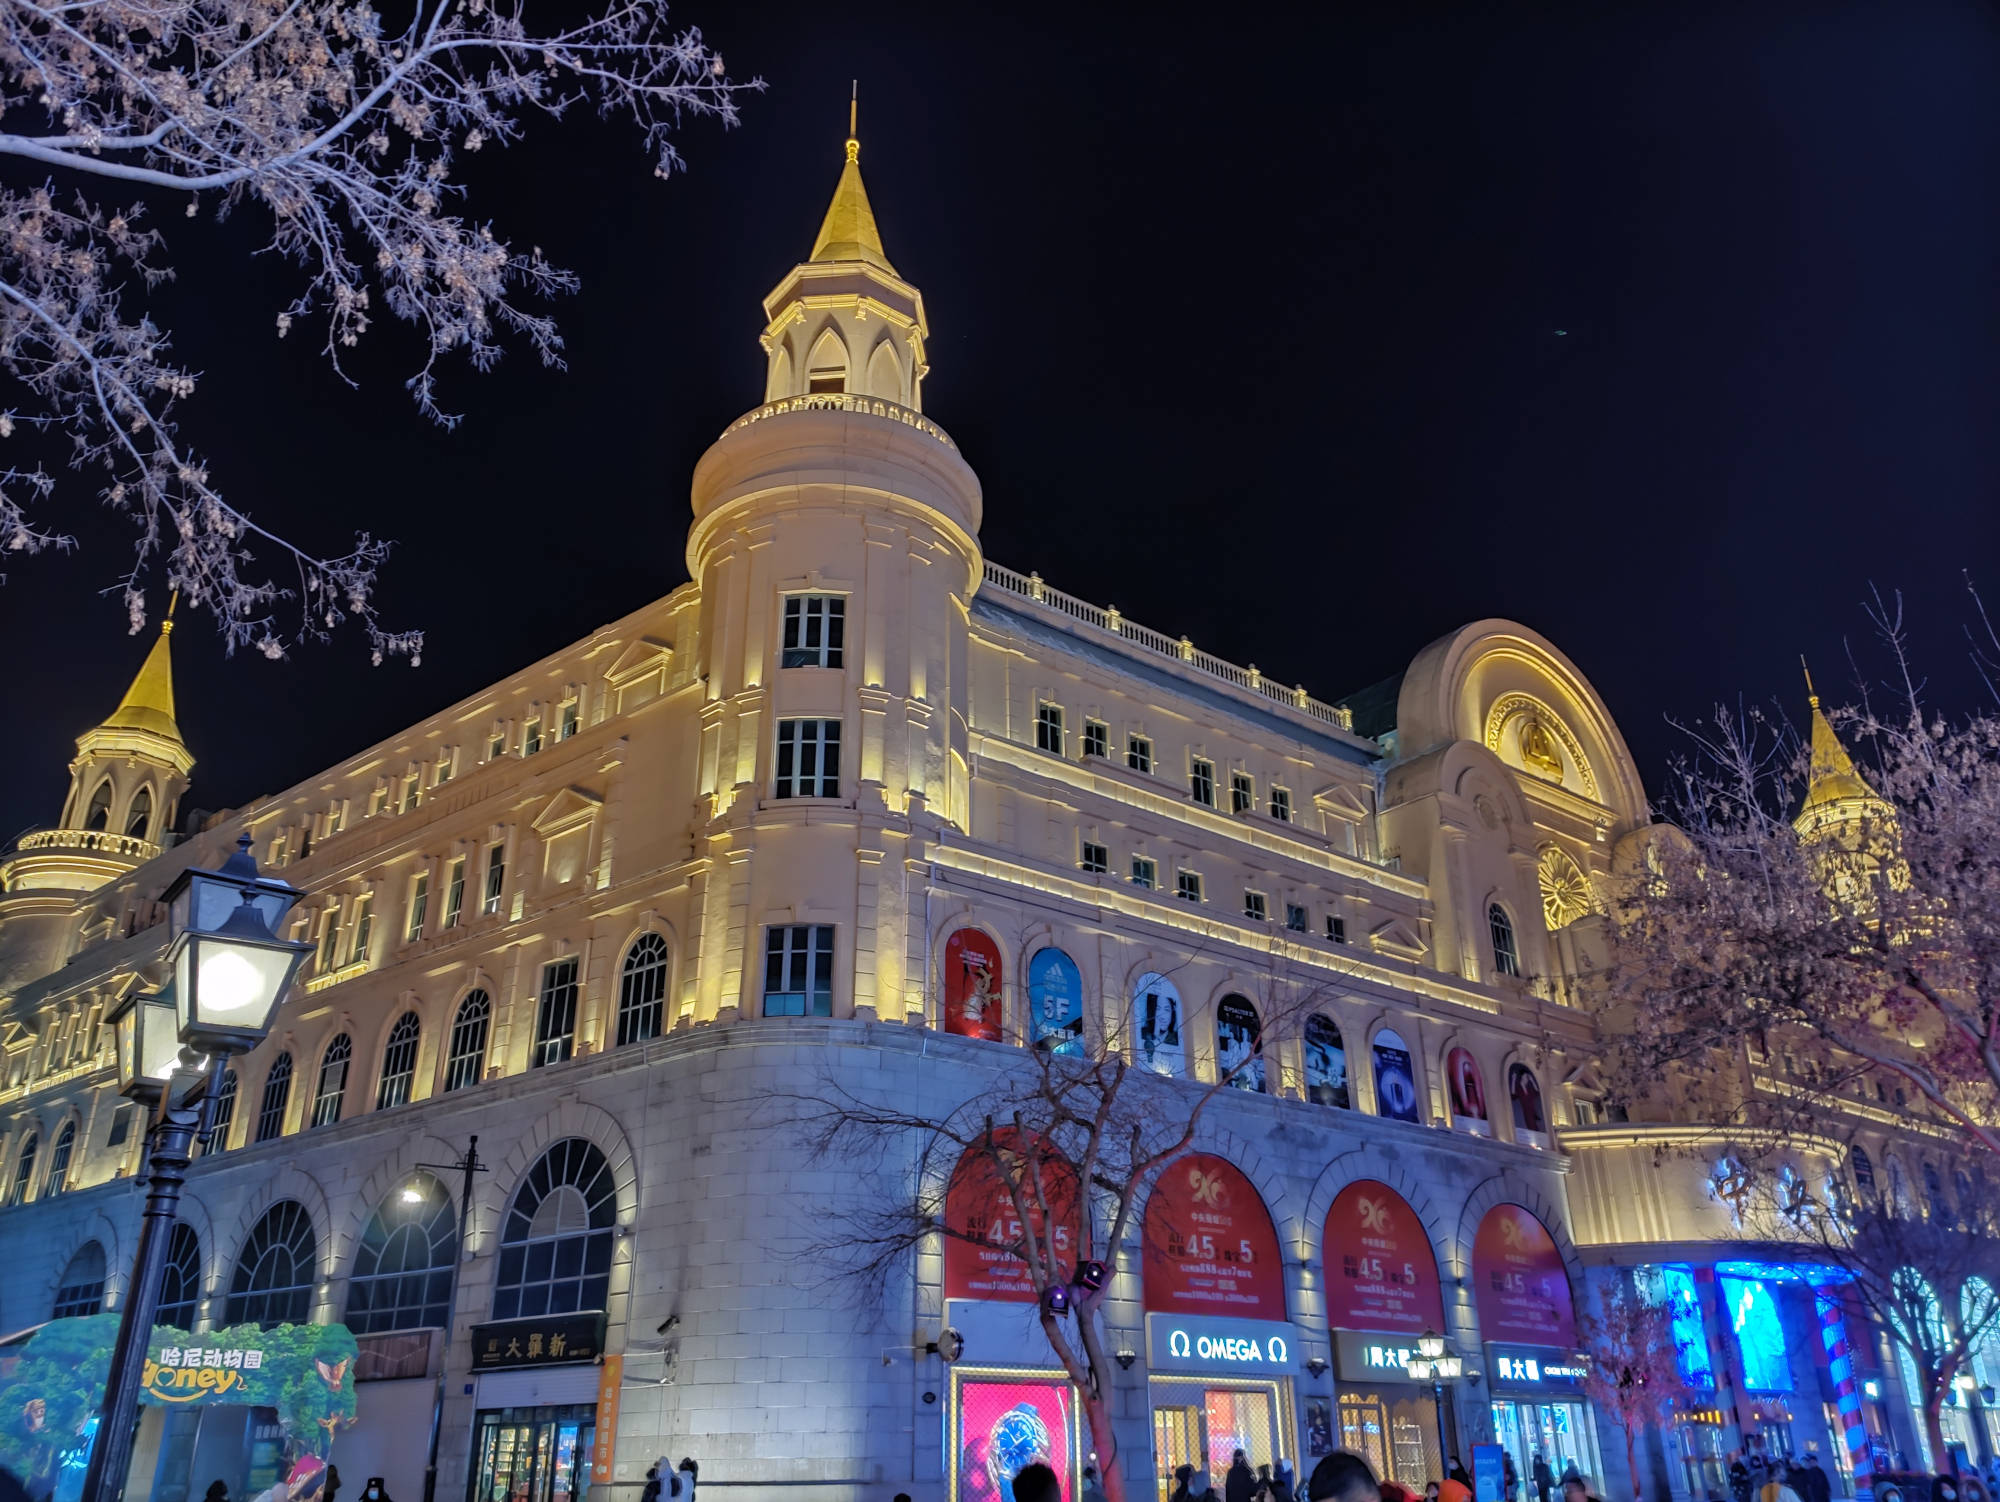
{"x": 1364, "y": 1429}
{"x": 1176, "y": 1442}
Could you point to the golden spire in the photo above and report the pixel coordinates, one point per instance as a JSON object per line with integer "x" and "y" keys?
{"x": 148, "y": 704}
{"x": 848, "y": 232}
{"x": 1831, "y": 777}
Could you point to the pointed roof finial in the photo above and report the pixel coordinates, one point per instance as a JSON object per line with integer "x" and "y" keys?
{"x": 148, "y": 704}
{"x": 848, "y": 232}
{"x": 853, "y": 133}
{"x": 1812, "y": 698}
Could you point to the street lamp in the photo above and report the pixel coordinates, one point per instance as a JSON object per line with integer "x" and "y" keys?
{"x": 230, "y": 973}
{"x": 1436, "y": 1364}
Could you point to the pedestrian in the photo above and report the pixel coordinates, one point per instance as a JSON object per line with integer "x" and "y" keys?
{"x": 1545, "y": 1479}
{"x": 1342, "y": 1476}
{"x": 1430, "y": 1491}
{"x": 1575, "y": 1489}
{"x": 1456, "y": 1472}
{"x": 1283, "y": 1488}
{"x": 684, "y": 1477}
{"x": 1571, "y": 1473}
{"x": 1183, "y": 1477}
{"x": 218, "y": 1491}
{"x": 1818, "y": 1485}
{"x": 1198, "y": 1488}
{"x": 375, "y": 1491}
{"x": 1240, "y": 1485}
{"x": 1510, "y": 1479}
{"x": 650, "y": 1492}
{"x": 1774, "y": 1488}
{"x": 332, "y": 1481}
{"x": 1454, "y": 1491}
{"x": 1092, "y": 1490}
{"x": 1035, "y": 1482}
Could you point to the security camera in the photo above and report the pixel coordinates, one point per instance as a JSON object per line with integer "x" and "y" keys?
{"x": 667, "y": 1324}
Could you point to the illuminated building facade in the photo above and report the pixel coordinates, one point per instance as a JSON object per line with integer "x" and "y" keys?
{"x": 858, "y": 799}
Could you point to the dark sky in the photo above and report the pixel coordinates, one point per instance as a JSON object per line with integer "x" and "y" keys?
{"x": 1663, "y": 330}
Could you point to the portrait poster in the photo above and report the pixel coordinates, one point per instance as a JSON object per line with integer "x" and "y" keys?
{"x": 1381, "y": 1274}
{"x": 982, "y": 1221}
{"x": 1158, "y": 1017}
{"x": 1520, "y": 1283}
{"x": 972, "y": 985}
{"x": 1319, "y": 1427}
{"x": 1395, "y": 1078}
{"x": 1210, "y": 1246}
{"x": 1055, "y": 1001}
{"x": 1468, "y": 1093}
{"x": 1003, "y": 1426}
{"x": 1326, "y": 1065}
{"x": 1239, "y": 1058}
{"x": 1526, "y": 1091}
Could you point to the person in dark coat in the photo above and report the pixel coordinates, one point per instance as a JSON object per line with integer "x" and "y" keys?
{"x": 1510, "y": 1479}
{"x": 1182, "y": 1475}
{"x": 1240, "y": 1485}
{"x": 1813, "y": 1484}
{"x": 1456, "y": 1472}
{"x": 332, "y": 1481}
{"x": 1543, "y": 1476}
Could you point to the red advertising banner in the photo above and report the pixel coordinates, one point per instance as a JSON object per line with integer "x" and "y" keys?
{"x": 981, "y": 1221}
{"x": 972, "y": 985}
{"x": 1522, "y": 1287}
{"x": 1210, "y": 1244}
{"x": 1381, "y": 1274}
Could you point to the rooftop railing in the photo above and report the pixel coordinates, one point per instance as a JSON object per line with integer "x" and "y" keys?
{"x": 102, "y": 841}
{"x": 843, "y": 401}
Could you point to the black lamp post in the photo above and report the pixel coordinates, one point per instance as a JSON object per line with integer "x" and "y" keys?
{"x": 1436, "y": 1364}
{"x": 230, "y": 972}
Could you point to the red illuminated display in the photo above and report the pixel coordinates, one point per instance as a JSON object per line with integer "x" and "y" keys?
{"x": 1381, "y": 1274}
{"x": 1210, "y": 1244}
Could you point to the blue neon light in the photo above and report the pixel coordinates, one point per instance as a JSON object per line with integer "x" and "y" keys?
{"x": 1760, "y": 1333}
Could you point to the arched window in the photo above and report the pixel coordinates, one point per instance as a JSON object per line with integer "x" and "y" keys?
{"x": 642, "y": 990}
{"x": 1935, "y": 1204}
{"x": 467, "y": 1062}
{"x": 1506, "y": 958}
{"x": 80, "y": 1290}
{"x": 276, "y": 1270}
{"x": 1863, "y": 1169}
{"x": 1395, "y": 1078}
{"x": 555, "y": 1249}
{"x": 277, "y": 1093}
{"x": 1978, "y": 1306}
{"x": 180, "y": 1286}
{"x": 885, "y": 372}
{"x": 59, "y": 1160}
{"x": 827, "y": 370}
{"x": 332, "y": 1081}
{"x": 24, "y": 1172}
{"x": 402, "y": 1273}
{"x": 140, "y": 819}
{"x": 99, "y": 816}
{"x": 1326, "y": 1065}
{"x": 399, "y": 1063}
{"x": 225, "y": 1115}
{"x": 1157, "y": 1019}
{"x": 1968, "y": 1203}
{"x": 1531, "y": 1122}
{"x": 1239, "y": 1051}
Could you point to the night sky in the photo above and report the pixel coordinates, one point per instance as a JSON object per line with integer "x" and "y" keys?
{"x": 1665, "y": 332}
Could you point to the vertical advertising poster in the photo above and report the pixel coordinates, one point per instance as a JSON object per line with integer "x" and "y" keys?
{"x": 1319, "y": 1427}
{"x": 1381, "y": 1274}
{"x": 1004, "y": 1425}
{"x": 983, "y": 1221}
{"x": 972, "y": 986}
{"x": 1468, "y": 1093}
{"x": 1326, "y": 1065}
{"x": 1055, "y": 1001}
{"x": 1527, "y": 1093}
{"x": 1520, "y": 1282}
{"x": 1395, "y": 1078}
{"x": 1238, "y": 1058}
{"x": 1210, "y": 1245}
{"x": 1156, "y": 1017}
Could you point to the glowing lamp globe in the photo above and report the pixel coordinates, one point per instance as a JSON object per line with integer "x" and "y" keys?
{"x": 229, "y": 980}
{"x": 203, "y": 900}
{"x": 1430, "y": 1345}
{"x": 145, "y": 1027}
{"x": 1418, "y": 1369}
{"x": 1449, "y": 1368}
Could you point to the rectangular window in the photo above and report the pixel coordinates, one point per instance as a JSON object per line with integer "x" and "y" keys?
{"x": 798, "y": 970}
{"x": 555, "y": 1019}
{"x": 1096, "y": 738}
{"x": 572, "y": 713}
{"x": 1145, "y": 872}
{"x": 1188, "y": 886}
{"x": 121, "y": 1125}
{"x": 1201, "y": 782}
{"x": 336, "y": 817}
{"x": 531, "y": 737}
{"x": 441, "y": 773}
{"x": 364, "y": 928}
{"x": 1242, "y": 797}
{"x": 1049, "y": 728}
{"x": 1281, "y": 804}
{"x": 1336, "y": 929}
{"x": 1295, "y": 918}
{"x": 1255, "y": 908}
{"x": 329, "y": 940}
{"x": 1095, "y": 858}
{"x": 408, "y": 800}
{"x": 815, "y": 631}
{"x": 454, "y": 892}
{"x": 375, "y": 801}
{"x": 808, "y": 759}
{"x": 496, "y": 748}
{"x": 1138, "y": 753}
{"x": 496, "y": 878}
{"x": 420, "y": 905}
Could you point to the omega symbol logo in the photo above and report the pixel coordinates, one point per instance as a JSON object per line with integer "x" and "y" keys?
{"x": 1177, "y": 1344}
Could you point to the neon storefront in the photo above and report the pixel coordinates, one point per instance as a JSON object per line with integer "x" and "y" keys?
{"x": 1527, "y": 1317}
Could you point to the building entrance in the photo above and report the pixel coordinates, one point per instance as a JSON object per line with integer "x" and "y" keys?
{"x": 1558, "y": 1432}
{"x": 534, "y": 1454}
{"x": 1395, "y": 1430}
{"x": 1203, "y": 1424}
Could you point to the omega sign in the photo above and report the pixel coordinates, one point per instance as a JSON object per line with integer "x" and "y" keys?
{"x": 1202, "y": 1343}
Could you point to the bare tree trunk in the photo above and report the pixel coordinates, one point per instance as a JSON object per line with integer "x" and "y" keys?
{"x": 1632, "y": 1464}
{"x": 1110, "y": 1474}
{"x": 1934, "y": 1425}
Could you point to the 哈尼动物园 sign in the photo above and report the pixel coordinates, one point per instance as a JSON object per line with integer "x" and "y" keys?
{"x": 544, "y": 1340}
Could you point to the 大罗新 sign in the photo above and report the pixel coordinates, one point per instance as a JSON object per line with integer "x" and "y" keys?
{"x": 1532, "y": 1369}
{"x": 545, "y": 1340}
{"x": 1203, "y": 1343}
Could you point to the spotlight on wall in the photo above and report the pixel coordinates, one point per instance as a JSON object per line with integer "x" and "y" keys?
{"x": 1871, "y": 1388}
{"x": 1055, "y": 1299}
{"x": 1090, "y": 1276}
{"x": 1316, "y": 1365}
{"x": 950, "y": 1345}
{"x": 1126, "y": 1358}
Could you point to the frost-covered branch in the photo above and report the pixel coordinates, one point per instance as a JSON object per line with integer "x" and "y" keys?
{"x": 346, "y": 128}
